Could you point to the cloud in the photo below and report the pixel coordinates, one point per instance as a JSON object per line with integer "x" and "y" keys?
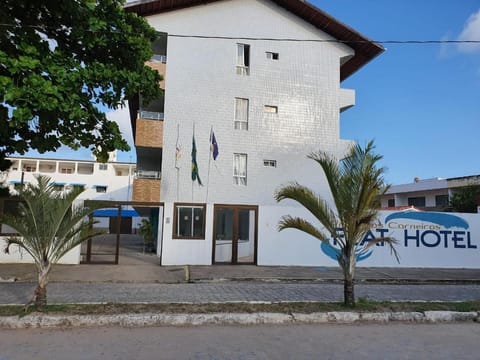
{"x": 471, "y": 31}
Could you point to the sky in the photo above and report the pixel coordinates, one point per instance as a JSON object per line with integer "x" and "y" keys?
{"x": 419, "y": 103}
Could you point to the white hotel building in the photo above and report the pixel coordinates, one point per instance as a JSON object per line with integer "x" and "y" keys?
{"x": 270, "y": 102}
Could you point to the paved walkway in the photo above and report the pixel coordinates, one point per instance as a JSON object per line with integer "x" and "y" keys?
{"x": 151, "y": 283}
{"x": 153, "y": 273}
{"x": 20, "y": 293}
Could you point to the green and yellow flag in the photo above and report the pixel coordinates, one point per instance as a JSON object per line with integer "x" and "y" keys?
{"x": 195, "y": 175}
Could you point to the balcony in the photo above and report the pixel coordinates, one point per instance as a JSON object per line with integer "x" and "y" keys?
{"x": 146, "y": 190}
{"x": 158, "y": 62}
{"x": 147, "y": 174}
{"x": 149, "y": 132}
{"x": 150, "y": 115}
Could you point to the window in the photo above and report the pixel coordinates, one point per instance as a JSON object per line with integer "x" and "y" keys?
{"x": 270, "y": 163}
{"x": 189, "y": 221}
{"x": 240, "y": 169}
{"x": 241, "y": 114}
{"x": 441, "y": 200}
{"x": 79, "y": 186}
{"x": 416, "y": 201}
{"x": 66, "y": 170}
{"x": 101, "y": 189}
{"x": 391, "y": 202}
{"x": 272, "y": 55}
{"x": 270, "y": 109}
{"x": 58, "y": 187}
{"x": 243, "y": 59}
{"x": 102, "y": 166}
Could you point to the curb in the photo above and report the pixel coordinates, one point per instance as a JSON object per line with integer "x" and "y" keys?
{"x": 161, "y": 319}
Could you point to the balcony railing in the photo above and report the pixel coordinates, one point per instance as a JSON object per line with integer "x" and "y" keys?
{"x": 148, "y": 174}
{"x": 160, "y": 58}
{"x": 151, "y": 115}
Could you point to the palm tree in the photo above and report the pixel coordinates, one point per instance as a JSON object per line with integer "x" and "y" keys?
{"x": 49, "y": 225}
{"x": 356, "y": 184}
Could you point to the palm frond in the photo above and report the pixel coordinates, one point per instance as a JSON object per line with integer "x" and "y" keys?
{"x": 49, "y": 225}
{"x": 391, "y": 242}
{"x": 289, "y": 222}
{"x": 312, "y": 202}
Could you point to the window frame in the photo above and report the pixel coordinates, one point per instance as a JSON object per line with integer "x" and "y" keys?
{"x": 271, "y": 55}
{"x": 270, "y": 163}
{"x": 243, "y": 66}
{"x": 237, "y": 177}
{"x": 103, "y": 167}
{"x": 176, "y": 207}
{"x": 270, "y": 109}
{"x": 242, "y": 123}
{"x": 413, "y": 199}
{"x": 101, "y": 187}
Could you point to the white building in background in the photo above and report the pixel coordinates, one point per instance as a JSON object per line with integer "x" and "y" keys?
{"x": 427, "y": 194}
{"x": 269, "y": 103}
{"x": 111, "y": 181}
{"x": 101, "y": 181}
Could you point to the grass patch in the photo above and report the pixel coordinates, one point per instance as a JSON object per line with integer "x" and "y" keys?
{"x": 363, "y": 305}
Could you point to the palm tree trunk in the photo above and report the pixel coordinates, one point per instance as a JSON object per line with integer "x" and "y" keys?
{"x": 348, "y": 277}
{"x": 348, "y": 292}
{"x": 40, "y": 294}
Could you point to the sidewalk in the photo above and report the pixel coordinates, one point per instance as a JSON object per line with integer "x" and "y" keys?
{"x": 226, "y": 284}
{"x": 152, "y": 273}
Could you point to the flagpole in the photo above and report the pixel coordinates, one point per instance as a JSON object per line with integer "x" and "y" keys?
{"x": 193, "y": 137}
{"x": 209, "y": 161}
{"x": 177, "y": 167}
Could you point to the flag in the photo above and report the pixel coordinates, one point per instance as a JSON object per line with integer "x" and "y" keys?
{"x": 178, "y": 155}
{"x": 213, "y": 146}
{"x": 195, "y": 175}
{"x": 178, "y": 149}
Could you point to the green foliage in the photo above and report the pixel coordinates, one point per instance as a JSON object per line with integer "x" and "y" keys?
{"x": 146, "y": 230}
{"x": 62, "y": 63}
{"x": 465, "y": 199}
{"x": 49, "y": 225}
{"x": 356, "y": 184}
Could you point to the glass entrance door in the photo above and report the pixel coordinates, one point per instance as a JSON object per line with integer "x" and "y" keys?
{"x": 235, "y": 234}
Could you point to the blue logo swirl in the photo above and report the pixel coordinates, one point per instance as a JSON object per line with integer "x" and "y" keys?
{"x": 443, "y": 219}
{"x": 333, "y": 252}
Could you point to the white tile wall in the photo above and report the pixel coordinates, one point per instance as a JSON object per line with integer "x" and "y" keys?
{"x": 200, "y": 92}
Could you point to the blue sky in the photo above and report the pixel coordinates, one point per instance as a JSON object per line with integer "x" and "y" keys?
{"x": 420, "y": 103}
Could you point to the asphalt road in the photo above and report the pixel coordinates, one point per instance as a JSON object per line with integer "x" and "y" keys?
{"x": 20, "y": 293}
{"x": 327, "y": 341}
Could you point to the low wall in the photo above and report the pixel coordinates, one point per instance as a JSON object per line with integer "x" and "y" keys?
{"x": 18, "y": 255}
{"x": 425, "y": 239}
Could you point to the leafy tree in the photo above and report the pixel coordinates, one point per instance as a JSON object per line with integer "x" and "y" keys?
{"x": 356, "y": 184}
{"x": 465, "y": 199}
{"x": 62, "y": 63}
{"x": 49, "y": 225}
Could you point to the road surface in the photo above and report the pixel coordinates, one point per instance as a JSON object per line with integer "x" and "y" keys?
{"x": 326, "y": 341}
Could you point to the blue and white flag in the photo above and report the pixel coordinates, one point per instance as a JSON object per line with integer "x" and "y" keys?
{"x": 213, "y": 146}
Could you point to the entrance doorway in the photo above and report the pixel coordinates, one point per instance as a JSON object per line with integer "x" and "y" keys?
{"x": 235, "y": 234}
